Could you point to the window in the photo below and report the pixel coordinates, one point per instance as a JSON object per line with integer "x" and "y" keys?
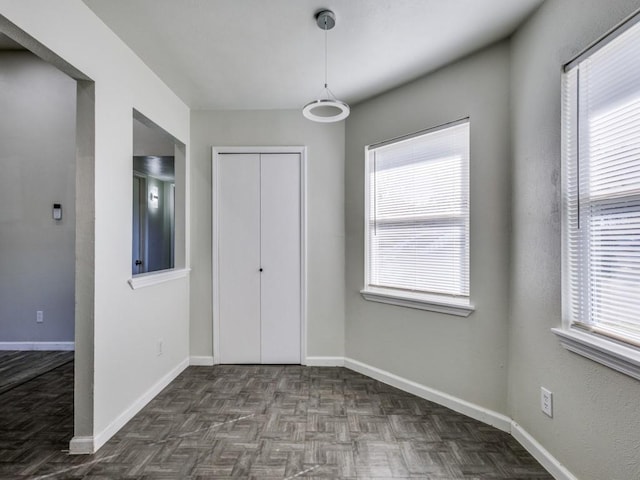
{"x": 417, "y": 220}
{"x": 601, "y": 271}
{"x": 158, "y": 171}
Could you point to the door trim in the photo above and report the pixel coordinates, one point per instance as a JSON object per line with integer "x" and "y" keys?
{"x": 216, "y": 151}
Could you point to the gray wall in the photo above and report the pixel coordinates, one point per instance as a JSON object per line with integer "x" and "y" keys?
{"x": 464, "y": 357}
{"x": 159, "y": 220}
{"x": 325, "y": 216}
{"x": 151, "y": 140}
{"x": 37, "y": 165}
{"x": 594, "y": 431}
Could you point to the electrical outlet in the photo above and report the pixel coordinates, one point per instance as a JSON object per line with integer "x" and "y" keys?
{"x": 546, "y": 401}
{"x": 160, "y": 346}
{"x": 39, "y": 316}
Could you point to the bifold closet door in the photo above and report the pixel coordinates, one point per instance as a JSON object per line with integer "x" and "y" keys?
{"x": 280, "y": 258}
{"x": 259, "y": 272}
{"x": 239, "y": 258}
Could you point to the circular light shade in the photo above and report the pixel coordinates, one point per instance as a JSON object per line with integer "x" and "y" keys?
{"x": 326, "y": 110}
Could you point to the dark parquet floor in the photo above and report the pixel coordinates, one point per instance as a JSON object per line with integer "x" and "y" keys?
{"x": 17, "y": 367}
{"x": 262, "y": 423}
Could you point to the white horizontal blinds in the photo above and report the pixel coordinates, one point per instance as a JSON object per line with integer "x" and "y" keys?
{"x": 603, "y": 188}
{"x": 419, "y": 213}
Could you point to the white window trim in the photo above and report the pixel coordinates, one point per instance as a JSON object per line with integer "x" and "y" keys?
{"x": 617, "y": 356}
{"x": 421, "y": 301}
{"x": 607, "y": 352}
{"x": 157, "y": 277}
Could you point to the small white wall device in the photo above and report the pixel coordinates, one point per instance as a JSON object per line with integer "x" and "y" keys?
{"x": 57, "y": 211}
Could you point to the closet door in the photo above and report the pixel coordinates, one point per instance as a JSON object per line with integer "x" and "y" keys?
{"x": 280, "y": 258}
{"x": 239, "y": 257}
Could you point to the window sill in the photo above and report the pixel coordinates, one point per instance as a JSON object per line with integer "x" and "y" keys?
{"x": 432, "y": 303}
{"x": 618, "y": 357}
{"x": 155, "y": 278}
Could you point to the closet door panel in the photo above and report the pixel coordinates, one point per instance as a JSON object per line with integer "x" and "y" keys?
{"x": 239, "y": 258}
{"x": 280, "y": 258}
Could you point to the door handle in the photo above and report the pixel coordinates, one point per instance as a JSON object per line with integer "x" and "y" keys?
{"x": 139, "y": 262}
{"x": 260, "y": 269}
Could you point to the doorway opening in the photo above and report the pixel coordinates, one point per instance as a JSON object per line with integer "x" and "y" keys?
{"x": 47, "y": 137}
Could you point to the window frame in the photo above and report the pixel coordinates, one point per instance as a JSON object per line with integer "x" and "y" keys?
{"x": 441, "y": 303}
{"x": 180, "y": 268}
{"x": 614, "y": 353}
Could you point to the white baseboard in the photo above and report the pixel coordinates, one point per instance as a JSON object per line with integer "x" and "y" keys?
{"x": 472, "y": 410}
{"x": 542, "y": 455}
{"x": 101, "y": 438}
{"x": 81, "y": 446}
{"x": 200, "y": 361}
{"x": 324, "y": 361}
{"x": 85, "y": 445}
{"x": 498, "y": 420}
{"x": 41, "y": 346}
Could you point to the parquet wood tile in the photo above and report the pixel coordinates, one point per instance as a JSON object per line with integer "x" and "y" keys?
{"x": 18, "y": 367}
{"x": 267, "y": 423}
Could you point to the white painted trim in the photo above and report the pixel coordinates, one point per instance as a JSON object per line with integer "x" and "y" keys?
{"x": 542, "y": 455}
{"x": 421, "y": 302}
{"x": 101, "y": 438}
{"x": 324, "y": 361}
{"x": 215, "y": 274}
{"x": 81, "y": 446}
{"x": 87, "y": 445}
{"x": 215, "y": 152}
{"x": 614, "y": 355}
{"x": 155, "y": 278}
{"x": 303, "y": 254}
{"x": 472, "y": 410}
{"x": 201, "y": 361}
{"x": 498, "y": 420}
{"x": 41, "y": 346}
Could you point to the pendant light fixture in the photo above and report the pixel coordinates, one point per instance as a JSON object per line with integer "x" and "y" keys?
{"x": 327, "y": 108}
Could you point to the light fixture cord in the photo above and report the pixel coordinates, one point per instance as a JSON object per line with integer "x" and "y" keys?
{"x": 326, "y": 83}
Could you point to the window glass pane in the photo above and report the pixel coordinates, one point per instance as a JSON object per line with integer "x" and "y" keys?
{"x": 602, "y": 191}
{"x": 418, "y": 226}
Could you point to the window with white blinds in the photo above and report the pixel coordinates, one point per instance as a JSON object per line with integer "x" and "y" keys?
{"x": 601, "y": 116}
{"x": 417, "y": 219}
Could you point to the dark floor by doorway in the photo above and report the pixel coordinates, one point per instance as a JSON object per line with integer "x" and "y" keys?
{"x": 262, "y": 423}
{"x": 36, "y": 423}
{"x": 18, "y": 367}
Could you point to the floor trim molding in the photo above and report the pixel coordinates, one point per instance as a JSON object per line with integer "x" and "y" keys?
{"x": 40, "y": 346}
{"x": 498, "y": 420}
{"x": 200, "y": 361}
{"x": 89, "y": 444}
{"x": 472, "y": 410}
{"x": 101, "y": 438}
{"x": 81, "y": 446}
{"x": 324, "y": 361}
{"x": 541, "y": 454}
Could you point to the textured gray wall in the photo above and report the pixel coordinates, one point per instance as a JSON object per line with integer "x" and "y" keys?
{"x": 594, "y": 431}
{"x": 464, "y": 357}
{"x": 325, "y": 216}
{"x": 37, "y": 169}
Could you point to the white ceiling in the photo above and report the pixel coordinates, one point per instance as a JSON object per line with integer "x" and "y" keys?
{"x": 259, "y": 54}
